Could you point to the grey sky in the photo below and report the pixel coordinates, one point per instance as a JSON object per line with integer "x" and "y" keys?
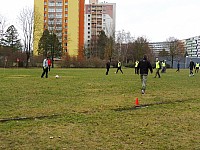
{"x": 156, "y": 20}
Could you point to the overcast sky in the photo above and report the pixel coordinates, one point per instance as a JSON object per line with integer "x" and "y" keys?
{"x": 157, "y": 20}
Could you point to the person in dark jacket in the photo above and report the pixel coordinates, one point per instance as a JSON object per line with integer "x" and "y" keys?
{"x": 178, "y": 67}
{"x": 107, "y": 67}
{"x": 191, "y": 66}
{"x": 144, "y": 66}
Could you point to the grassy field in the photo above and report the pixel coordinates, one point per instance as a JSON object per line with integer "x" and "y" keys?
{"x": 85, "y": 109}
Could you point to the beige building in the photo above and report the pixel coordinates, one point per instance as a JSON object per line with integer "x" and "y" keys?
{"x": 98, "y": 17}
{"x": 63, "y": 17}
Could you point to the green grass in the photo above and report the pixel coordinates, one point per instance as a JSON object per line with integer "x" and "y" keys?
{"x": 85, "y": 109}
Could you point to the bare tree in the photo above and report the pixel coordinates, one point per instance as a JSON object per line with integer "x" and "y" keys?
{"x": 2, "y": 27}
{"x": 141, "y": 47}
{"x": 176, "y": 48}
{"x": 26, "y": 19}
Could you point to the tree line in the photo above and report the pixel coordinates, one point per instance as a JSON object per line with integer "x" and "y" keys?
{"x": 120, "y": 46}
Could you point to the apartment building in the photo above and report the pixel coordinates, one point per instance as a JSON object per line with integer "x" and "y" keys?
{"x": 63, "y": 17}
{"x": 98, "y": 17}
{"x": 192, "y": 46}
{"x": 157, "y": 47}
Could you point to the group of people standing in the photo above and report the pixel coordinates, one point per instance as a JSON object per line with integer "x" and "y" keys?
{"x": 143, "y": 66}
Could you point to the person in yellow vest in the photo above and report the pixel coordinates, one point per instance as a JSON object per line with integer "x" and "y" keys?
{"x": 119, "y": 67}
{"x": 136, "y": 66}
{"x": 197, "y": 67}
{"x": 158, "y": 66}
{"x": 163, "y": 66}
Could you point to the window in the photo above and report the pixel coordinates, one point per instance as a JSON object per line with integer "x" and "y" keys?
{"x": 51, "y": 10}
{"x": 59, "y": 10}
{"x": 59, "y": 4}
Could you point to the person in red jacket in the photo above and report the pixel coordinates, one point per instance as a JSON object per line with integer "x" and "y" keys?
{"x": 49, "y": 63}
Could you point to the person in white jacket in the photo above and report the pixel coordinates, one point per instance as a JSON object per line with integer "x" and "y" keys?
{"x": 45, "y": 68}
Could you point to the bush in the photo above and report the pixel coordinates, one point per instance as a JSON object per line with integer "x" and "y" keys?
{"x": 89, "y": 63}
{"x": 129, "y": 65}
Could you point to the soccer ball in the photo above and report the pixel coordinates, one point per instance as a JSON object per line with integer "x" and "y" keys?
{"x": 57, "y": 76}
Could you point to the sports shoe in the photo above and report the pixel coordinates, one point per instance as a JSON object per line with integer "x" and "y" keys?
{"x": 143, "y": 92}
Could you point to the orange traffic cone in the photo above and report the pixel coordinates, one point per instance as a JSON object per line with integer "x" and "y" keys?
{"x": 136, "y": 102}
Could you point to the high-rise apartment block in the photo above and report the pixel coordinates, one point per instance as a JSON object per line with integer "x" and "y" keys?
{"x": 63, "y": 17}
{"x": 98, "y": 17}
{"x": 192, "y": 46}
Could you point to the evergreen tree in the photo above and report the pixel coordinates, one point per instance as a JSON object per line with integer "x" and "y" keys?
{"x": 101, "y": 44}
{"x": 11, "y": 39}
{"x": 49, "y": 45}
{"x": 44, "y": 43}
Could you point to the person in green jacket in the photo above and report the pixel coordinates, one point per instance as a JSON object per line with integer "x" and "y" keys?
{"x": 163, "y": 66}
{"x": 158, "y": 66}
{"x": 136, "y": 66}
{"x": 197, "y": 67}
{"x": 119, "y": 67}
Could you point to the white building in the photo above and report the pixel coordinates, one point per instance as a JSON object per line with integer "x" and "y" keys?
{"x": 192, "y": 46}
{"x": 98, "y": 17}
{"x": 158, "y": 47}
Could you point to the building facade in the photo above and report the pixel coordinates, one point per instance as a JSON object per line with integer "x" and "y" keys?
{"x": 157, "y": 47}
{"x": 192, "y": 46}
{"x": 98, "y": 17}
{"x": 63, "y": 17}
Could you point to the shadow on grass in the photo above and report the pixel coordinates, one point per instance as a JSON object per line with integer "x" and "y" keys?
{"x": 147, "y": 105}
{"x": 29, "y": 118}
{"x": 118, "y": 109}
